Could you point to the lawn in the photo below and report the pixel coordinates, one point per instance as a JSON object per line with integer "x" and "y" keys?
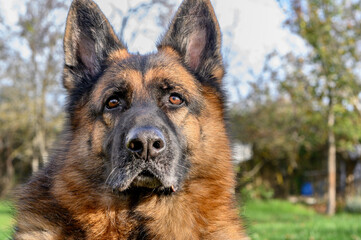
{"x": 6, "y": 221}
{"x": 281, "y": 220}
{"x": 267, "y": 220}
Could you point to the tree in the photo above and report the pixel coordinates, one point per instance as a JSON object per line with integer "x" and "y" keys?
{"x": 281, "y": 125}
{"x": 134, "y": 13}
{"x": 30, "y": 89}
{"x": 43, "y": 37}
{"x": 330, "y": 29}
{"x": 317, "y": 89}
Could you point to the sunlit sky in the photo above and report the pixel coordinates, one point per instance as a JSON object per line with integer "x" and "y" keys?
{"x": 256, "y": 26}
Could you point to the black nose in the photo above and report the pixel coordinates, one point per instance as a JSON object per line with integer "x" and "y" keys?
{"x": 145, "y": 142}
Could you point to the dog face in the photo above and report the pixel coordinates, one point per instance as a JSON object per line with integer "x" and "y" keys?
{"x": 142, "y": 105}
{"x": 138, "y": 118}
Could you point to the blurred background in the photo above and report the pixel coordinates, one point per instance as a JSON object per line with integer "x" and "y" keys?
{"x": 294, "y": 81}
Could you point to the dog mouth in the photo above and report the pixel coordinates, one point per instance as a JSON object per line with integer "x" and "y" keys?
{"x": 146, "y": 179}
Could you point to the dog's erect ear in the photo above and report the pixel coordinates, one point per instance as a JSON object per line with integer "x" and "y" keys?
{"x": 88, "y": 41}
{"x": 194, "y": 33}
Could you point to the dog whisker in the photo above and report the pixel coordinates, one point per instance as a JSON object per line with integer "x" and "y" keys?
{"x": 111, "y": 172}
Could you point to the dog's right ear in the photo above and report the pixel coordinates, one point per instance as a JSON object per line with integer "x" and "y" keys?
{"x": 89, "y": 39}
{"x": 195, "y": 35}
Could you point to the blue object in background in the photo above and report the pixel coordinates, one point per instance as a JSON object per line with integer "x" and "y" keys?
{"x": 307, "y": 189}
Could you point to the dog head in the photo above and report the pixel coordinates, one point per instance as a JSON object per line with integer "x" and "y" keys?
{"x": 138, "y": 118}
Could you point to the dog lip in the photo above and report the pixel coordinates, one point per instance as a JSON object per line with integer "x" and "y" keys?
{"x": 146, "y": 173}
{"x": 146, "y": 179}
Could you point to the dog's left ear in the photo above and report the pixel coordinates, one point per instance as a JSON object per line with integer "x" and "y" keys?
{"x": 195, "y": 34}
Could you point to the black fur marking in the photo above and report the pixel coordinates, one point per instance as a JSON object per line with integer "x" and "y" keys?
{"x": 141, "y": 231}
{"x": 90, "y": 142}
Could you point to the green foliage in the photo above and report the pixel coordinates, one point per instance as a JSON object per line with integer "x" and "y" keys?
{"x": 328, "y": 75}
{"x": 275, "y": 220}
{"x": 353, "y": 204}
{"x": 257, "y": 192}
{"x": 6, "y": 220}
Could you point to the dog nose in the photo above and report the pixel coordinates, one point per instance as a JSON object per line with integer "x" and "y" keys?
{"x": 145, "y": 142}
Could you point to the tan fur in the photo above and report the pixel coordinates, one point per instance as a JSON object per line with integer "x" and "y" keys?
{"x": 119, "y": 55}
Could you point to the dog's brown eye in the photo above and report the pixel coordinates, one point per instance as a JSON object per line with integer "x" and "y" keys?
{"x": 175, "y": 99}
{"x": 113, "y": 102}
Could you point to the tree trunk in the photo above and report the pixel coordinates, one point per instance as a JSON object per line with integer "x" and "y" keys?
{"x": 331, "y": 162}
{"x": 9, "y": 176}
{"x": 40, "y": 89}
{"x": 7, "y": 180}
{"x": 350, "y": 178}
{"x": 35, "y": 164}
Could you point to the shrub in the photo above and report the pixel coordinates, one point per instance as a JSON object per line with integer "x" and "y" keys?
{"x": 353, "y": 204}
{"x": 257, "y": 192}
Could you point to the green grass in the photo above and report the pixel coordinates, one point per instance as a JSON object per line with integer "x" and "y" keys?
{"x": 281, "y": 220}
{"x": 266, "y": 220}
{"x": 6, "y": 220}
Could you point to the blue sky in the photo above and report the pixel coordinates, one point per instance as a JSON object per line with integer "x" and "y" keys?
{"x": 255, "y": 27}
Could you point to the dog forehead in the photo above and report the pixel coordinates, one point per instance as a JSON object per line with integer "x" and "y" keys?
{"x": 143, "y": 71}
{"x": 167, "y": 69}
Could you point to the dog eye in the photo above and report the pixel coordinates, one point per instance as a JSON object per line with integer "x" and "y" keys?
{"x": 175, "y": 99}
{"x": 113, "y": 102}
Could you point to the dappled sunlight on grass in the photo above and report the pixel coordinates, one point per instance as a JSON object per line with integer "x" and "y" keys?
{"x": 276, "y": 220}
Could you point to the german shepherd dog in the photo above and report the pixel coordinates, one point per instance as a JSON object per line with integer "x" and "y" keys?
{"x": 144, "y": 153}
